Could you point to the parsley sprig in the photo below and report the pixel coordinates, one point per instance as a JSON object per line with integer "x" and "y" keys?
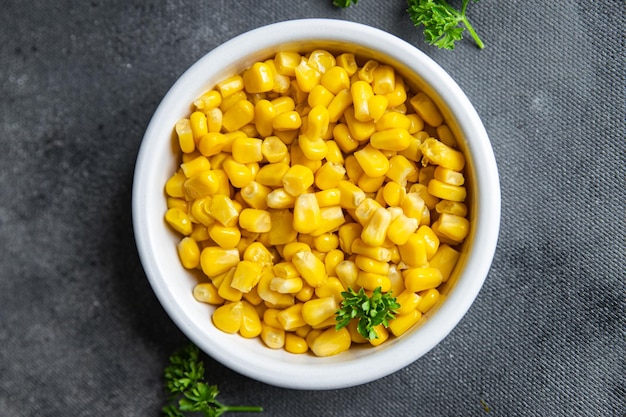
{"x": 443, "y": 24}
{"x": 370, "y": 311}
{"x": 189, "y": 392}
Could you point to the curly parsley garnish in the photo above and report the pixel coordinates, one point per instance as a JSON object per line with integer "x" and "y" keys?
{"x": 369, "y": 311}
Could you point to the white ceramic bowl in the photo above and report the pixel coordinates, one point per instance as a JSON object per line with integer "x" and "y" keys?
{"x": 173, "y": 285}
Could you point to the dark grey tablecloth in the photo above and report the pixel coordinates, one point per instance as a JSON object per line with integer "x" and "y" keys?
{"x": 81, "y": 332}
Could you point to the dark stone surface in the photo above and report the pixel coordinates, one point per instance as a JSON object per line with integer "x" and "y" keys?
{"x": 82, "y": 334}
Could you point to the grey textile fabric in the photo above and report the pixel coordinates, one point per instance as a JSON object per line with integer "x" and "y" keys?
{"x": 81, "y": 332}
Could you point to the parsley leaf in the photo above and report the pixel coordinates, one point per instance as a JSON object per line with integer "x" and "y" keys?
{"x": 344, "y": 3}
{"x": 184, "y": 378}
{"x": 370, "y": 311}
{"x": 441, "y": 22}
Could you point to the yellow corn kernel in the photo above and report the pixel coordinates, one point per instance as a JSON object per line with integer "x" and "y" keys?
{"x": 306, "y": 293}
{"x": 431, "y": 241}
{"x": 360, "y": 131}
{"x": 413, "y": 252}
{"x": 403, "y": 322}
{"x": 394, "y": 139}
{"x": 291, "y": 317}
{"x": 428, "y": 300}
{"x": 200, "y": 211}
{"x": 445, "y": 260}
{"x": 416, "y": 124}
{"x": 366, "y": 72}
{"x": 344, "y": 138}
{"x": 231, "y": 100}
{"x": 398, "y": 96}
{"x": 297, "y": 156}
{"x": 258, "y": 253}
{"x": 199, "y": 233}
{"x": 370, "y": 281}
{"x": 239, "y": 115}
{"x": 335, "y": 79}
{"x": 285, "y": 270}
{"x": 348, "y": 233}
{"x": 280, "y": 199}
{"x": 351, "y": 195}
{"x": 185, "y": 136}
{"x": 247, "y": 274}
{"x": 270, "y": 317}
{"x": 438, "y": 153}
{"x": 212, "y": 143}
{"x": 272, "y": 337}
{"x": 413, "y": 206}
{"x": 408, "y": 301}
{"x": 361, "y": 93}
{"x": 446, "y": 191}
{"x": 292, "y": 248}
{"x": 283, "y": 104}
{"x": 393, "y": 120}
{"x": 289, "y": 120}
{"x": 377, "y": 106}
{"x": 364, "y": 211}
{"x": 333, "y": 258}
{"x": 401, "y": 169}
{"x": 295, "y": 344}
{"x": 353, "y": 169}
{"x": 413, "y": 151}
{"x": 226, "y": 290}
{"x": 255, "y": 195}
{"x": 311, "y": 268}
{"x": 372, "y": 160}
{"x": 339, "y": 104}
{"x": 426, "y": 109}
{"x": 393, "y": 194}
{"x": 329, "y": 175}
{"x": 317, "y": 310}
{"x": 198, "y": 124}
{"x": 382, "y": 334}
{"x": 179, "y": 203}
{"x": 375, "y": 232}
{"x": 326, "y": 242}
{"x": 384, "y": 81}
{"x": 226, "y": 237}
{"x": 286, "y": 62}
{"x": 179, "y": 221}
{"x": 306, "y": 213}
{"x": 370, "y": 184}
{"x": 451, "y": 207}
{"x": 239, "y": 174}
{"x": 271, "y": 175}
{"x": 320, "y": 96}
{"x": 224, "y": 210}
{"x": 445, "y": 135}
{"x": 378, "y": 253}
{"x": 321, "y": 60}
{"x": 286, "y": 285}
{"x": 347, "y": 272}
{"x": 332, "y": 287}
{"x": 354, "y": 332}
{"x": 452, "y": 227}
{"x": 175, "y": 185}
{"x": 208, "y": 100}
{"x": 247, "y": 150}
{"x": 328, "y": 197}
{"x": 274, "y": 149}
{"x": 272, "y": 298}
{"x": 250, "y": 321}
{"x": 297, "y": 179}
{"x": 367, "y": 264}
{"x": 307, "y": 76}
{"x": 330, "y": 342}
{"x": 202, "y": 184}
{"x": 206, "y": 292}
{"x": 331, "y": 219}
{"x": 195, "y": 166}
{"x": 188, "y": 252}
{"x": 421, "y": 279}
{"x": 334, "y": 153}
{"x": 228, "y": 317}
{"x": 401, "y": 229}
{"x": 313, "y": 149}
{"x": 230, "y": 85}
{"x": 214, "y": 118}
{"x": 282, "y": 231}
{"x": 421, "y": 190}
{"x": 255, "y": 220}
{"x": 225, "y": 187}
{"x": 347, "y": 61}
{"x": 258, "y": 78}
{"x": 253, "y": 298}
{"x": 317, "y": 123}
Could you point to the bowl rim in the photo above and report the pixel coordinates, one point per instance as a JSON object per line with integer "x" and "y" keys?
{"x": 329, "y": 374}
